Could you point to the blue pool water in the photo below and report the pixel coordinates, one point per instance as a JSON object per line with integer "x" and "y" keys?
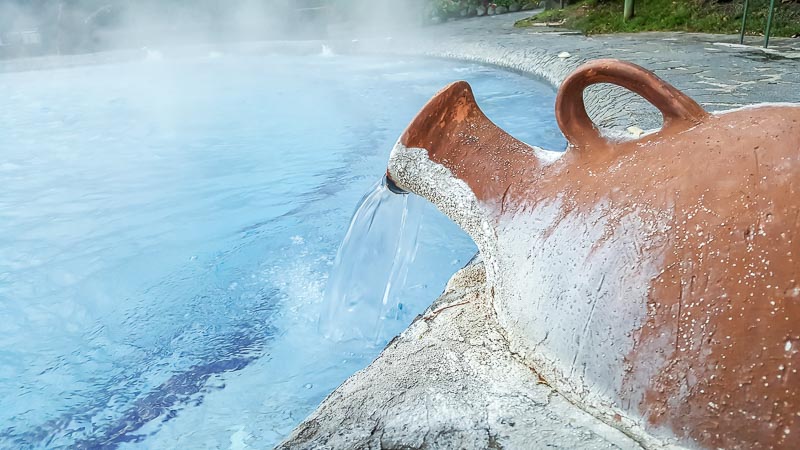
{"x": 167, "y": 228}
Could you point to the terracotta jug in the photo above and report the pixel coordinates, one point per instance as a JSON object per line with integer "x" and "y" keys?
{"x": 655, "y": 282}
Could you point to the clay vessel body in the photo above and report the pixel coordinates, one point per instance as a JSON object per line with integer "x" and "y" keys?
{"x": 655, "y": 281}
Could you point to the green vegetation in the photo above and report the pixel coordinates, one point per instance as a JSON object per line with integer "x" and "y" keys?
{"x": 605, "y": 16}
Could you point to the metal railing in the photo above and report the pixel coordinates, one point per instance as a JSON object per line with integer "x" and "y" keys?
{"x": 769, "y": 22}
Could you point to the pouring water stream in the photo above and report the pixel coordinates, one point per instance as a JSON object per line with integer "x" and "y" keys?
{"x": 372, "y": 265}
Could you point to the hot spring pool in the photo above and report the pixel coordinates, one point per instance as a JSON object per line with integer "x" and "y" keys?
{"x": 167, "y": 228}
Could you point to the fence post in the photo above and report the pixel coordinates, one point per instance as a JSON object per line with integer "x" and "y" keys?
{"x": 628, "y": 12}
{"x": 744, "y": 22}
{"x": 769, "y": 22}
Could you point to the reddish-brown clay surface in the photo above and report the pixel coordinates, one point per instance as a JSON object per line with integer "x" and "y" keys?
{"x": 717, "y": 357}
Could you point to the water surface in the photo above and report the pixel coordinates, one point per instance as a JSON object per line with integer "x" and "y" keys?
{"x": 167, "y": 228}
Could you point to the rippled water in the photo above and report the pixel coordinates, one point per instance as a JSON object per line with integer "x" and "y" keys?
{"x": 167, "y": 228}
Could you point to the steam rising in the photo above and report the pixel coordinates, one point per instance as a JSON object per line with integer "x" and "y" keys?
{"x": 32, "y": 27}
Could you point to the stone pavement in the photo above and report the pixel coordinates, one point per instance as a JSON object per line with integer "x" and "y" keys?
{"x": 713, "y": 69}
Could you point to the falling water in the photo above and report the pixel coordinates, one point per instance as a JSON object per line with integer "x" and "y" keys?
{"x": 371, "y": 266}
{"x": 326, "y": 51}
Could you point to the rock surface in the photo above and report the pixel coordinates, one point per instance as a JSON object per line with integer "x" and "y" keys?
{"x": 450, "y": 381}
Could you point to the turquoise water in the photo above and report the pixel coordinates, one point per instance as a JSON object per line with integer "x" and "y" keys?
{"x": 167, "y": 228}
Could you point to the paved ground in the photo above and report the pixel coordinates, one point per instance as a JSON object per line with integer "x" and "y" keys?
{"x": 713, "y": 69}
{"x": 450, "y": 380}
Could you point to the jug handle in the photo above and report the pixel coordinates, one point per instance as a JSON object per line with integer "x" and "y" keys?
{"x": 679, "y": 111}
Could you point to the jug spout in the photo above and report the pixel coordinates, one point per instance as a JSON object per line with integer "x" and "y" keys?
{"x": 392, "y": 186}
{"x": 453, "y": 138}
